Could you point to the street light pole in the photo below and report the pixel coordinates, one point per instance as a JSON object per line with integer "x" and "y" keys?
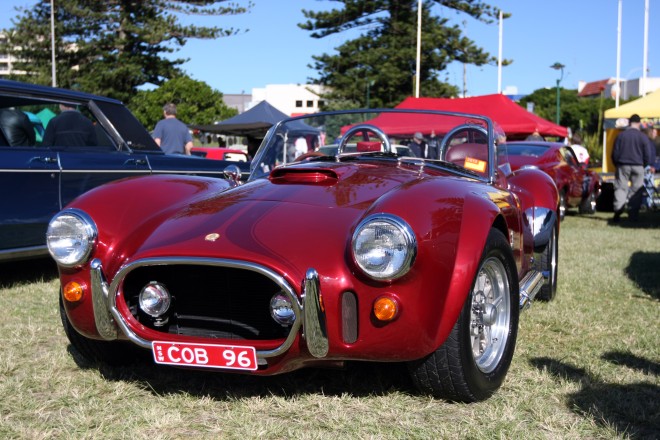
{"x": 560, "y": 67}
{"x": 52, "y": 43}
{"x": 369, "y": 84}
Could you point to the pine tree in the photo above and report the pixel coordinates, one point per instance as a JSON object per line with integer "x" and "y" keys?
{"x": 108, "y": 47}
{"x": 383, "y": 57}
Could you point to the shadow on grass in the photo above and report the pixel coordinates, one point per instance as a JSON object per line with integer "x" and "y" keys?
{"x": 27, "y": 271}
{"x": 643, "y": 270}
{"x": 633, "y": 409}
{"x": 646, "y": 220}
{"x": 355, "y": 379}
{"x": 633, "y": 362}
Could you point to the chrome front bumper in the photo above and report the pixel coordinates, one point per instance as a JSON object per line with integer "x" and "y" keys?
{"x": 308, "y": 311}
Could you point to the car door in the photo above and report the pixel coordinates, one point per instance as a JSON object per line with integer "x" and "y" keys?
{"x": 29, "y": 178}
{"x": 84, "y": 167}
{"x": 181, "y": 164}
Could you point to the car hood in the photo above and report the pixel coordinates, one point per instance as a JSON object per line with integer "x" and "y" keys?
{"x": 294, "y": 219}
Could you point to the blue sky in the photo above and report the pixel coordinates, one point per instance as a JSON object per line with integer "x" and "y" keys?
{"x": 581, "y": 34}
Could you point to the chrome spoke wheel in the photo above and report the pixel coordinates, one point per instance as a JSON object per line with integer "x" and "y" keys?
{"x": 562, "y": 205}
{"x": 490, "y": 315}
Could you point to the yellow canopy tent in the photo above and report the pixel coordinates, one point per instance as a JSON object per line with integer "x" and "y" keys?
{"x": 647, "y": 107}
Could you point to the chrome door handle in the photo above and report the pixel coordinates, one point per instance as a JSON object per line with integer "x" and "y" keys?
{"x": 136, "y": 162}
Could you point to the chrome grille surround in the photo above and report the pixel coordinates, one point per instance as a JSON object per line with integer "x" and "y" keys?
{"x": 102, "y": 292}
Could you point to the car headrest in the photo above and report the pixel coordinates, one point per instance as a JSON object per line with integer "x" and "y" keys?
{"x": 364, "y": 146}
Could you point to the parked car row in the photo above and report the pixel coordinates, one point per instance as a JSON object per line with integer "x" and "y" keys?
{"x": 39, "y": 180}
{"x": 351, "y": 251}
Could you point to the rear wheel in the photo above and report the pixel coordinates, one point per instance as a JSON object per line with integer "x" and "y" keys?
{"x": 562, "y": 205}
{"x": 588, "y": 204}
{"x": 472, "y": 363}
{"x": 92, "y": 351}
{"x": 546, "y": 263}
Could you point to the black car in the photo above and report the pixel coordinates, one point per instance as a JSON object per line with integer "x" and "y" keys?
{"x": 38, "y": 180}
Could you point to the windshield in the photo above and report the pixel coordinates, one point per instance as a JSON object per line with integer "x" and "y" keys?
{"x": 468, "y": 142}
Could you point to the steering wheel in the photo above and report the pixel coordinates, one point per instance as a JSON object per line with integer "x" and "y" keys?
{"x": 308, "y": 155}
{"x": 365, "y": 129}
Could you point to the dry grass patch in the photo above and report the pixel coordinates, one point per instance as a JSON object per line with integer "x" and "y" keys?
{"x": 587, "y": 366}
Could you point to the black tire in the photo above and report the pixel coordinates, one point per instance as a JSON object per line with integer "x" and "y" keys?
{"x": 471, "y": 365}
{"x": 588, "y": 204}
{"x": 563, "y": 207}
{"x": 547, "y": 264}
{"x": 90, "y": 352}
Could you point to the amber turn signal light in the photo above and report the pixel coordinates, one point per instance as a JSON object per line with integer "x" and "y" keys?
{"x": 386, "y": 308}
{"x": 73, "y": 291}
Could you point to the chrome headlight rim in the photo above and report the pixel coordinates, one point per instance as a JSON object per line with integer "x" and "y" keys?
{"x": 406, "y": 233}
{"x": 88, "y": 230}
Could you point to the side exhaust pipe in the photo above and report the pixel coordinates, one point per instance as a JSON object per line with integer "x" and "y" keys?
{"x": 529, "y": 287}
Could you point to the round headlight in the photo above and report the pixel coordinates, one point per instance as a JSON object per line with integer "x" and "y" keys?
{"x": 155, "y": 299}
{"x": 281, "y": 309}
{"x": 384, "y": 247}
{"x": 70, "y": 237}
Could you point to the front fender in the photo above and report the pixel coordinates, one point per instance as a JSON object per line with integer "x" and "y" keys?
{"x": 478, "y": 217}
{"x": 134, "y": 207}
{"x": 451, "y": 230}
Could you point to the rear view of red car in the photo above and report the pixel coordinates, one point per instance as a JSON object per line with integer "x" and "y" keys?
{"x": 578, "y": 186}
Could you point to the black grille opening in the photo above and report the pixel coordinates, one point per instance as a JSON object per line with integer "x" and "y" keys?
{"x": 209, "y": 301}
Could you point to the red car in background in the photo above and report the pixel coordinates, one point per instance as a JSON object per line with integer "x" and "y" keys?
{"x": 578, "y": 187}
{"x": 229, "y": 154}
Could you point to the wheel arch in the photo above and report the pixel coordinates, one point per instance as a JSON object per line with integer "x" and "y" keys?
{"x": 480, "y": 216}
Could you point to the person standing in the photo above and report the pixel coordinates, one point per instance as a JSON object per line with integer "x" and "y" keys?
{"x": 70, "y": 129}
{"x": 581, "y": 152}
{"x": 536, "y": 136}
{"x": 652, "y": 132}
{"x": 433, "y": 146}
{"x": 172, "y": 135}
{"x": 16, "y": 128}
{"x": 418, "y": 146}
{"x": 631, "y": 153}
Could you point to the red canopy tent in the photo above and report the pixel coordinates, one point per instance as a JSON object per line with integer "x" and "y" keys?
{"x": 514, "y": 120}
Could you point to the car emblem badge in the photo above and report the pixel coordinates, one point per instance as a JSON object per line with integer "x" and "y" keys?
{"x": 212, "y": 237}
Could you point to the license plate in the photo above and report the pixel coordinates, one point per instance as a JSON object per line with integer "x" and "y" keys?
{"x": 205, "y": 355}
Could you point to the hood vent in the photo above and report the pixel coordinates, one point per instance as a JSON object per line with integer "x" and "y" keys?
{"x": 312, "y": 176}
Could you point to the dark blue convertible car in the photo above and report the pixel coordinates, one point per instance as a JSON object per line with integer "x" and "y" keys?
{"x": 38, "y": 180}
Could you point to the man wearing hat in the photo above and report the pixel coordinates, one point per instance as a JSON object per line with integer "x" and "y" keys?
{"x": 632, "y": 152}
{"x": 418, "y": 146}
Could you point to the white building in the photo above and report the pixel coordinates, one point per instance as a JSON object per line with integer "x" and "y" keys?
{"x": 5, "y": 60}
{"x": 291, "y": 99}
{"x": 630, "y": 88}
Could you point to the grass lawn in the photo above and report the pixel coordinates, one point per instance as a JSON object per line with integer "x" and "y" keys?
{"x": 587, "y": 366}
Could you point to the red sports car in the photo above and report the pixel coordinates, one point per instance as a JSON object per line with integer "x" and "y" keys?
{"x": 320, "y": 259}
{"x": 578, "y": 186}
{"x": 229, "y": 154}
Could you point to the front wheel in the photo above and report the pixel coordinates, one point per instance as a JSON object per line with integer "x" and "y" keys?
{"x": 92, "y": 351}
{"x": 473, "y": 362}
